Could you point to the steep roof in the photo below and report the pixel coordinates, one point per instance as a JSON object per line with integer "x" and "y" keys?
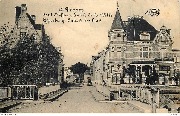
{"x": 138, "y": 25}
{"x": 30, "y": 19}
{"x": 36, "y": 26}
{"x": 117, "y": 22}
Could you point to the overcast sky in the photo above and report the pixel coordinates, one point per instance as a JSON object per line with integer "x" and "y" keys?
{"x": 80, "y": 40}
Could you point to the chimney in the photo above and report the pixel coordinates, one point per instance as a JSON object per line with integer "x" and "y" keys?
{"x": 18, "y": 12}
{"x": 33, "y": 17}
{"x": 23, "y": 8}
{"x": 129, "y": 18}
{"x": 169, "y": 31}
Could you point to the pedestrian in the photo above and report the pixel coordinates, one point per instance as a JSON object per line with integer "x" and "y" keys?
{"x": 111, "y": 96}
{"x": 178, "y": 110}
{"x": 169, "y": 110}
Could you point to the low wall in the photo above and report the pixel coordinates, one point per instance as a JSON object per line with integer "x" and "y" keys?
{"x": 103, "y": 89}
{"x": 5, "y": 92}
{"x": 48, "y": 89}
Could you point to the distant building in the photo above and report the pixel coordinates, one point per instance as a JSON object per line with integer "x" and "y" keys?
{"x": 67, "y": 72}
{"x": 87, "y": 76}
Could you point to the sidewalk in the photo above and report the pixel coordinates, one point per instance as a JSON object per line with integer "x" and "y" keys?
{"x": 141, "y": 106}
{"x": 97, "y": 95}
{"x": 48, "y": 89}
{"x": 103, "y": 90}
{"x": 146, "y": 108}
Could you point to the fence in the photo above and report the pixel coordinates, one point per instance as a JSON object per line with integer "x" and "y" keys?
{"x": 24, "y": 92}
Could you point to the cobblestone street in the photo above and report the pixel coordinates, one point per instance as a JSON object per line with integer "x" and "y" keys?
{"x": 77, "y": 100}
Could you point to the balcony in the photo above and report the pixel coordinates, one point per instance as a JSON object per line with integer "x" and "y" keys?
{"x": 115, "y": 60}
{"x": 164, "y": 59}
{"x": 116, "y": 42}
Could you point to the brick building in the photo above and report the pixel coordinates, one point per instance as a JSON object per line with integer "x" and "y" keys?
{"x": 137, "y": 53}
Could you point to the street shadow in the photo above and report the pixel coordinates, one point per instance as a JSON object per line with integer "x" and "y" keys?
{"x": 76, "y": 86}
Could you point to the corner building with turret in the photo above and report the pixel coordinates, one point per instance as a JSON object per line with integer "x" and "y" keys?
{"x": 137, "y": 53}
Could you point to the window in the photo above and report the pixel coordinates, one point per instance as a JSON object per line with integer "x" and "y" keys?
{"x": 112, "y": 68}
{"x": 115, "y": 48}
{"x": 164, "y": 68}
{"x": 145, "y": 36}
{"x": 115, "y": 54}
{"x": 145, "y": 52}
{"x": 118, "y": 35}
{"x": 163, "y": 39}
{"x": 119, "y": 54}
{"x": 145, "y": 48}
{"x": 118, "y": 47}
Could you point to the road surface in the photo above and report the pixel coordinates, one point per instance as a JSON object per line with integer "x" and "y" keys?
{"x": 77, "y": 100}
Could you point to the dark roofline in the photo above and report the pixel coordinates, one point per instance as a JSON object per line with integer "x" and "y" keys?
{"x": 175, "y": 50}
{"x": 30, "y": 19}
{"x": 36, "y": 26}
{"x": 143, "y": 62}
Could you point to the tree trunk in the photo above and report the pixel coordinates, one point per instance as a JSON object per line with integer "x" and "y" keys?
{"x": 81, "y": 77}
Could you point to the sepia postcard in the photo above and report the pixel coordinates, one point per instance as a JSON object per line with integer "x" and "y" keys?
{"x": 89, "y": 56}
